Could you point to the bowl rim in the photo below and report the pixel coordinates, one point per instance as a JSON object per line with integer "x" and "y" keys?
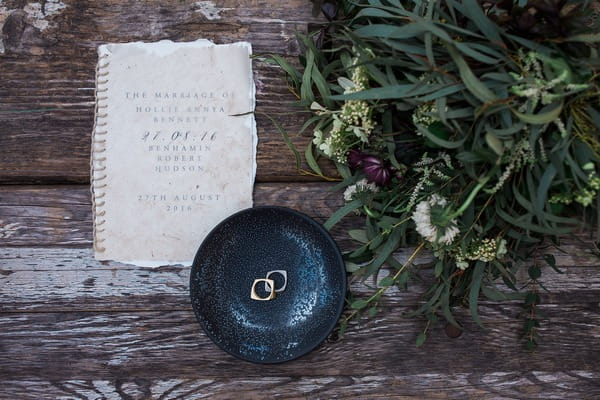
{"x": 331, "y": 242}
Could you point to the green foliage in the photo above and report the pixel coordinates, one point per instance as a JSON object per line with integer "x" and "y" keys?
{"x": 454, "y": 131}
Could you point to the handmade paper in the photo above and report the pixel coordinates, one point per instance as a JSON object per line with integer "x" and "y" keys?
{"x": 174, "y": 147}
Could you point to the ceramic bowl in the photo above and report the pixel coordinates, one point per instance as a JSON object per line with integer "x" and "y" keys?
{"x": 266, "y": 252}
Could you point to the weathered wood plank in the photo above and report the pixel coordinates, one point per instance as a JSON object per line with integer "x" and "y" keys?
{"x": 165, "y": 344}
{"x": 53, "y": 145}
{"x": 48, "y": 58}
{"x": 70, "y": 26}
{"x": 61, "y": 279}
{"x": 576, "y": 384}
{"x": 61, "y": 215}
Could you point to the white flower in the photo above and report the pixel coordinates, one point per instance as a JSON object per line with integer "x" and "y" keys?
{"x": 501, "y": 249}
{"x": 346, "y": 84}
{"x": 317, "y": 107}
{"x": 359, "y": 186}
{"x": 422, "y": 218}
{"x": 425, "y": 114}
{"x": 318, "y": 139}
{"x": 326, "y": 148}
{"x": 561, "y": 127}
{"x": 359, "y": 133}
{"x": 337, "y": 124}
{"x": 462, "y": 264}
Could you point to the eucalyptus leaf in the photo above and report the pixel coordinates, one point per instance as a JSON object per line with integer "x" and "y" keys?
{"x": 306, "y": 92}
{"x": 476, "y": 282}
{"x": 359, "y": 304}
{"x": 390, "y": 31}
{"x": 544, "y": 186}
{"x": 352, "y": 267}
{"x": 445, "y": 303}
{"x": 439, "y": 141}
{"x": 390, "y": 244}
{"x": 387, "y": 281}
{"x": 290, "y": 70}
{"x": 468, "y": 50}
{"x": 287, "y": 140}
{"x": 360, "y": 235}
{"x": 473, "y": 10}
{"x": 494, "y": 143}
{"x": 474, "y": 85}
{"x": 387, "y": 92}
{"x": 439, "y": 268}
{"x": 544, "y": 117}
{"x": 311, "y": 161}
{"x": 341, "y": 213}
{"x": 588, "y": 38}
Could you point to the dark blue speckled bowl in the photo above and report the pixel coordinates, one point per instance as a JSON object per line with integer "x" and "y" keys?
{"x": 245, "y": 247}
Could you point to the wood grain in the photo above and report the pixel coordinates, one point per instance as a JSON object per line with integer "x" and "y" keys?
{"x": 75, "y": 328}
{"x": 53, "y": 145}
{"x": 169, "y": 344}
{"x": 62, "y": 215}
{"x": 575, "y": 384}
{"x": 98, "y": 321}
{"x": 47, "y": 86}
{"x": 84, "y": 24}
{"x": 61, "y": 279}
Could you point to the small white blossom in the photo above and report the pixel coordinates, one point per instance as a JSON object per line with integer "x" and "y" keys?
{"x": 462, "y": 264}
{"x": 429, "y": 167}
{"x": 359, "y": 186}
{"x": 318, "y": 137}
{"x": 425, "y": 114}
{"x": 317, "y": 107}
{"x": 346, "y": 84}
{"x": 561, "y": 127}
{"x": 326, "y": 148}
{"x": 486, "y": 250}
{"x": 501, "y": 249}
{"x": 535, "y": 86}
{"x": 360, "y": 77}
{"x": 422, "y": 219}
{"x": 361, "y": 134}
{"x": 521, "y": 155}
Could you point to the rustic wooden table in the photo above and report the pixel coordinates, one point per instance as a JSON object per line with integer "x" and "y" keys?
{"x": 72, "y": 327}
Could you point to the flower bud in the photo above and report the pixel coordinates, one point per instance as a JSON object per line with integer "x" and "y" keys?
{"x": 376, "y": 170}
{"x": 355, "y": 158}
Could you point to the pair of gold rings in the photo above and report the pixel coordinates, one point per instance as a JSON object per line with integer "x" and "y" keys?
{"x": 269, "y": 286}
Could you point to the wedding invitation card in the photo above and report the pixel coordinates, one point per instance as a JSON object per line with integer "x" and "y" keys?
{"x": 174, "y": 147}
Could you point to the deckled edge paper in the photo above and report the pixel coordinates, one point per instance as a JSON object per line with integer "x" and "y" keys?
{"x": 100, "y": 175}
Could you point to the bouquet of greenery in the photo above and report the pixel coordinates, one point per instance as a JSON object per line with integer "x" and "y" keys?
{"x": 468, "y": 128}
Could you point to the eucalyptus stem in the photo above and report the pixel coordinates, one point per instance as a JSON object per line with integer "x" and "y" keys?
{"x": 390, "y": 229}
{"x": 382, "y": 290}
{"x": 487, "y": 203}
{"x": 470, "y": 198}
{"x": 414, "y": 254}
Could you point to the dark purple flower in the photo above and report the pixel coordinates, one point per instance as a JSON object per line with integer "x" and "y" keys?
{"x": 355, "y": 158}
{"x": 377, "y": 170}
{"x": 329, "y": 10}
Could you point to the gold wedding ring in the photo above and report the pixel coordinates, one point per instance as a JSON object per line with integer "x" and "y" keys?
{"x": 283, "y": 274}
{"x": 268, "y": 282}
